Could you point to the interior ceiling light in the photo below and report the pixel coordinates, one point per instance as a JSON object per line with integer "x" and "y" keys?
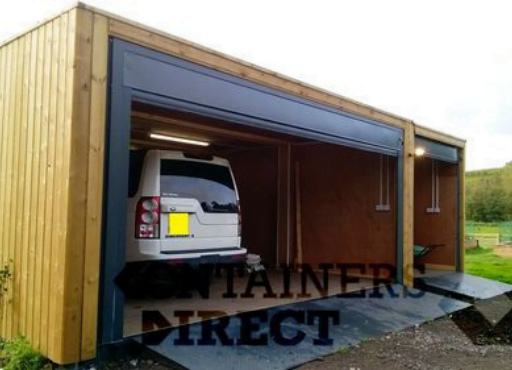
{"x": 178, "y": 139}
{"x": 419, "y": 152}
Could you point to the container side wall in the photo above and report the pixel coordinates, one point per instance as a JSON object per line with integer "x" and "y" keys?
{"x": 45, "y": 115}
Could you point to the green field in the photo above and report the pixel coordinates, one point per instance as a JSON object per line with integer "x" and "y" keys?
{"x": 483, "y": 262}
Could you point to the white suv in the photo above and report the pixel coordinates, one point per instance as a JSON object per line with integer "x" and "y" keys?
{"x": 182, "y": 208}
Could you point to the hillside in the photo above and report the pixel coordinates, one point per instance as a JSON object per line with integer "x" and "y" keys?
{"x": 480, "y": 175}
{"x": 489, "y": 194}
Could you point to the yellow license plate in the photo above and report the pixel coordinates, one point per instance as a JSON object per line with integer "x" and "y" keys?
{"x": 178, "y": 224}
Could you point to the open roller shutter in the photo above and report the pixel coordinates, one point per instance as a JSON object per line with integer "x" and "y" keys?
{"x": 162, "y": 79}
{"x": 436, "y": 150}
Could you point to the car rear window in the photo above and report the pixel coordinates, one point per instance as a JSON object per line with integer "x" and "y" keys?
{"x": 211, "y": 184}
{"x": 136, "y": 163}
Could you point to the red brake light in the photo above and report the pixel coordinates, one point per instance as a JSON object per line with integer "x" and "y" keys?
{"x": 147, "y": 218}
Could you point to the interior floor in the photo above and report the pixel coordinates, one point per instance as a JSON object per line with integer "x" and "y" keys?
{"x": 134, "y": 308}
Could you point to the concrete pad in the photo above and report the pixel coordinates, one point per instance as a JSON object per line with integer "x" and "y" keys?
{"x": 464, "y": 285}
{"x": 232, "y": 306}
{"x": 359, "y": 318}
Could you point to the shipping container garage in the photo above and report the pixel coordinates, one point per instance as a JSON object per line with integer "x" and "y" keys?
{"x": 321, "y": 179}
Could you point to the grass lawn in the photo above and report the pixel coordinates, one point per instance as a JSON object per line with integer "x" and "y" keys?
{"x": 481, "y": 227}
{"x": 483, "y": 262}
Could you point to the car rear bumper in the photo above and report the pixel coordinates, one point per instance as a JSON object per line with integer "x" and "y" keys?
{"x": 191, "y": 256}
{"x": 218, "y": 255}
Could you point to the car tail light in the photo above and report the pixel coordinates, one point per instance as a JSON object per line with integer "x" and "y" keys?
{"x": 147, "y": 218}
{"x": 239, "y": 219}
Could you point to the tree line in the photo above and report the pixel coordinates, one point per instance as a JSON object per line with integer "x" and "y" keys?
{"x": 489, "y": 194}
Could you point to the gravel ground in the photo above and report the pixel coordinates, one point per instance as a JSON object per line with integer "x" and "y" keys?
{"x": 437, "y": 345}
{"x": 434, "y": 345}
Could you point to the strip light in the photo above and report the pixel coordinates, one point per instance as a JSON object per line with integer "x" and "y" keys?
{"x": 178, "y": 139}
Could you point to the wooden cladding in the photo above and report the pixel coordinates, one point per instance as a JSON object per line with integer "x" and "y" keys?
{"x": 36, "y": 94}
{"x": 50, "y": 149}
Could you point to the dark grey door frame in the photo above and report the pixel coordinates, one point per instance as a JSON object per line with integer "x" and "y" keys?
{"x": 459, "y": 243}
{"x": 123, "y": 91}
{"x": 111, "y": 302}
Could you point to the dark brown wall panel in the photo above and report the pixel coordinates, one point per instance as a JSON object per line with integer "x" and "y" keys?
{"x": 339, "y": 192}
{"x": 256, "y": 176}
{"x": 436, "y": 228}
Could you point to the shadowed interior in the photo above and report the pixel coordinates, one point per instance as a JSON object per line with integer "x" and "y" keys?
{"x": 441, "y": 227}
{"x": 302, "y": 201}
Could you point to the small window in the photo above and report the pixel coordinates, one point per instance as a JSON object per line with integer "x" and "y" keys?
{"x": 136, "y": 163}
{"x": 211, "y": 184}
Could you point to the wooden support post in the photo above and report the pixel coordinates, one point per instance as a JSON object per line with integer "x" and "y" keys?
{"x": 408, "y": 206}
{"x": 97, "y": 123}
{"x": 283, "y": 206}
{"x": 298, "y": 215}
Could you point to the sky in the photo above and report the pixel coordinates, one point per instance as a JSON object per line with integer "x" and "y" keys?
{"x": 444, "y": 64}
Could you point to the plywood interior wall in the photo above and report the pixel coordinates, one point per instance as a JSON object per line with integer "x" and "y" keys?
{"x": 436, "y": 228}
{"x": 255, "y": 172}
{"x": 339, "y": 189}
{"x": 50, "y": 150}
{"x": 339, "y": 192}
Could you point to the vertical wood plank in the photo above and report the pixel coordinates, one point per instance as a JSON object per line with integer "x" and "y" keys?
{"x": 28, "y": 203}
{"x": 3, "y": 124}
{"x": 298, "y": 215}
{"x": 59, "y": 196}
{"x": 100, "y": 47}
{"x": 3, "y": 144}
{"x": 45, "y": 214}
{"x": 20, "y": 226}
{"x": 408, "y": 206}
{"x": 44, "y": 61}
{"x": 14, "y": 214}
{"x": 50, "y": 230}
{"x": 6, "y": 175}
{"x": 11, "y": 90}
{"x": 283, "y": 205}
{"x": 35, "y": 248}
